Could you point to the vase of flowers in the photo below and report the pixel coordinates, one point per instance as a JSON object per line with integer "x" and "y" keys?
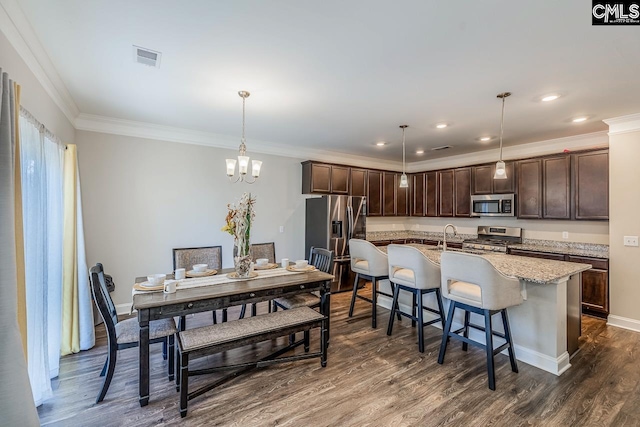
{"x": 238, "y": 223}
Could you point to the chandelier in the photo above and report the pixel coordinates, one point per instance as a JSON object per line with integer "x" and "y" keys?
{"x": 243, "y": 159}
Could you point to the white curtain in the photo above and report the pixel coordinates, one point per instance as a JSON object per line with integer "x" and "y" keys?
{"x": 42, "y": 173}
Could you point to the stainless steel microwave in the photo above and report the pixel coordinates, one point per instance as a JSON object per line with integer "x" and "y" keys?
{"x": 493, "y": 205}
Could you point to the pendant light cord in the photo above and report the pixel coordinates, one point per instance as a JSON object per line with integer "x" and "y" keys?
{"x": 502, "y": 126}
{"x": 403, "y": 154}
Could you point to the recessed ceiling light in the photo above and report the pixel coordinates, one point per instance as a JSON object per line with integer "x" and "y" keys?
{"x": 441, "y": 125}
{"x": 419, "y": 151}
{"x": 485, "y": 138}
{"x": 548, "y": 98}
{"x": 579, "y": 119}
{"x": 381, "y": 144}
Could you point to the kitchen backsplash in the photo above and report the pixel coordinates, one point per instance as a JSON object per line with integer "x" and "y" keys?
{"x": 594, "y": 232}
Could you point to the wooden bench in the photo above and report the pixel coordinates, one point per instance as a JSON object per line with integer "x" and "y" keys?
{"x": 225, "y": 336}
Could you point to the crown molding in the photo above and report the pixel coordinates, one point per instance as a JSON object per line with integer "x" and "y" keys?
{"x": 110, "y": 125}
{"x": 623, "y": 124}
{"x": 15, "y": 26}
{"x": 532, "y": 149}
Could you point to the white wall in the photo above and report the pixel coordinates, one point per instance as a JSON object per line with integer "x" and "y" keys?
{"x": 33, "y": 96}
{"x": 624, "y": 202}
{"x": 143, "y": 197}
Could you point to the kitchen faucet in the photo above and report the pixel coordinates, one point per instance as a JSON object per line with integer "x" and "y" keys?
{"x": 444, "y": 232}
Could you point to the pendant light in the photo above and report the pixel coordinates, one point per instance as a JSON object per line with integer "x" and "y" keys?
{"x": 501, "y": 171}
{"x": 404, "y": 182}
{"x": 243, "y": 159}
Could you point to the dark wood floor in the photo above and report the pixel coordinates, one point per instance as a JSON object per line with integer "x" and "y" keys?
{"x": 371, "y": 379}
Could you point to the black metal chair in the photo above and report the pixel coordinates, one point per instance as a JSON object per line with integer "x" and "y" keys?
{"x": 322, "y": 259}
{"x": 124, "y": 334}
{"x": 188, "y": 257}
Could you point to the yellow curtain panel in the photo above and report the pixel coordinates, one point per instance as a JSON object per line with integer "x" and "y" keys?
{"x": 22, "y": 294}
{"x": 70, "y": 310}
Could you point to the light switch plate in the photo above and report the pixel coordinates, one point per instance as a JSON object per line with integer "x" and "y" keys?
{"x": 565, "y": 234}
{"x": 282, "y": 228}
{"x": 631, "y": 240}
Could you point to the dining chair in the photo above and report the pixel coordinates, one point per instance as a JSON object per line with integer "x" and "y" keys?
{"x": 124, "y": 334}
{"x": 262, "y": 250}
{"x": 322, "y": 259}
{"x": 188, "y": 257}
{"x": 472, "y": 283}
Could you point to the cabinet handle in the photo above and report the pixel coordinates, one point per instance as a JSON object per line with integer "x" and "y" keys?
{"x": 252, "y": 295}
{"x": 301, "y": 286}
{"x": 190, "y": 305}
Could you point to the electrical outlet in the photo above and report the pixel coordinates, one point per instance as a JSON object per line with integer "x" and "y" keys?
{"x": 565, "y": 234}
{"x": 631, "y": 240}
{"x": 282, "y": 228}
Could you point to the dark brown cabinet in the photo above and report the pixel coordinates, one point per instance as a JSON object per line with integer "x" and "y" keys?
{"x": 483, "y": 182}
{"x": 402, "y": 198}
{"x": 556, "y": 173}
{"x": 431, "y": 197}
{"x": 389, "y": 187}
{"x": 374, "y": 193}
{"x": 560, "y": 186}
{"x": 325, "y": 179}
{"x": 529, "y": 189}
{"x": 445, "y": 193}
{"x": 358, "y": 182}
{"x": 595, "y": 282}
{"x": 316, "y": 178}
{"x": 340, "y": 179}
{"x": 462, "y": 192}
{"x": 591, "y": 178}
{"x": 483, "y": 179}
{"x": 595, "y": 285}
{"x": 417, "y": 194}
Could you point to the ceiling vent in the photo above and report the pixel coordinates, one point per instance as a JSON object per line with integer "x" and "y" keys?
{"x": 145, "y": 56}
{"x": 444, "y": 147}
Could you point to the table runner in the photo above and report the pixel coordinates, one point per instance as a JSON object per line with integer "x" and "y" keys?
{"x": 220, "y": 279}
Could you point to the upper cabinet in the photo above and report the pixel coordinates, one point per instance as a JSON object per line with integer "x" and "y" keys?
{"x": 529, "y": 198}
{"x": 374, "y": 193}
{"x": 445, "y": 192}
{"x": 462, "y": 192}
{"x": 482, "y": 181}
{"x": 358, "y": 182}
{"x": 560, "y": 186}
{"x": 431, "y": 197}
{"x": 417, "y": 194}
{"x": 402, "y": 198}
{"x": 325, "y": 179}
{"x": 389, "y": 187}
{"x": 556, "y": 178}
{"x": 591, "y": 178}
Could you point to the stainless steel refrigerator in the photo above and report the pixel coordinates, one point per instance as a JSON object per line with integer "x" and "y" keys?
{"x": 330, "y": 222}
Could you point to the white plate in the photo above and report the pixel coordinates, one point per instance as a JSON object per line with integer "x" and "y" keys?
{"x": 148, "y": 285}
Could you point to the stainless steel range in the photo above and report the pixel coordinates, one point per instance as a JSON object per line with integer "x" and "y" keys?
{"x": 494, "y": 238}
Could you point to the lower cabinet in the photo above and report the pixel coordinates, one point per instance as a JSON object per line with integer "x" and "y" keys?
{"x": 595, "y": 282}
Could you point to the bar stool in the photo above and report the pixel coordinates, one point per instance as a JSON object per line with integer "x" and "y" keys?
{"x": 411, "y": 271}
{"x": 369, "y": 263}
{"x": 471, "y": 283}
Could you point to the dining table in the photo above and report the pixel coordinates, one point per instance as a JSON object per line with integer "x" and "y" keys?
{"x": 195, "y": 296}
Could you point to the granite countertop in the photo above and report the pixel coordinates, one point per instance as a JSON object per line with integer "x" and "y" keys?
{"x": 536, "y": 270}
{"x": 591, "y": 250}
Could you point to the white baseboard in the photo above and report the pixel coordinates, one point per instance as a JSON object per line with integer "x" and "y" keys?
{"x": 623, "y": 322}
{"x": 124, "y": 309}
{"x": 556, "y": 366}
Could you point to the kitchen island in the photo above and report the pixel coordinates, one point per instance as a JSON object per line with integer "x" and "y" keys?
{"x": 546, "y": 326}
